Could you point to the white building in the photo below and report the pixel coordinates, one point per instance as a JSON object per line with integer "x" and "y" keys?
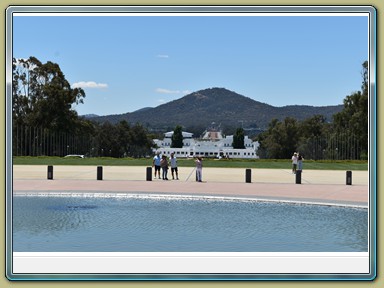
{"x": 212, "y": 145}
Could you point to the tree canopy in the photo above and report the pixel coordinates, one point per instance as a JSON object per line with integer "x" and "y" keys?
{"x": 238, "y": 139}
{"x": 45, "y": 121}
{"x": 121, "y": 140}
{"x": 177, "y": 137}
{"x": 346, "y": 137}
{"x": 43, "y": 97}
{"x": 353, "y": 120}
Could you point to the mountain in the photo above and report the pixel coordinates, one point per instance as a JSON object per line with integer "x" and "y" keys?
{"x": 144, "y": 109}
{"x": 218, "y": 105}
{"x": 89, "y": 116}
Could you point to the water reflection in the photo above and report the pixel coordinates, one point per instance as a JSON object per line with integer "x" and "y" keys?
{"x": 167, "y": 225}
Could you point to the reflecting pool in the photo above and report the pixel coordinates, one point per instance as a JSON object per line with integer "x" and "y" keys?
{"x": 161, "y": 224}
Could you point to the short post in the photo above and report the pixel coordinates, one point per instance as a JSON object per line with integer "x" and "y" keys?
{"x": 50, "y": 173}
{"x": 149, "y": 173}
{"x": 349, "y": 178}
{"x": 298, "y": 176}
{"x": 99, "y": 172}
{"x": 248, "y": 175}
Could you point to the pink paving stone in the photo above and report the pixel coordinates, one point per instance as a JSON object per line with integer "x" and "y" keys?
{"x": 317, "y": 193}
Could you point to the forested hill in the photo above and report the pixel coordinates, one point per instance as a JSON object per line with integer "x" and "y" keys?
{"x": 218, "y": 105}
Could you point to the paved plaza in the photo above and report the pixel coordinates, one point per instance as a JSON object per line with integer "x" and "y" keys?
{"x": 317, "y": 186}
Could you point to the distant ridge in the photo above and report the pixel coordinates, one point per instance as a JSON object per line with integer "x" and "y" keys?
{"x": 143, "y": 109}
{"x": 218, "y": 105}
{"x": 88, "y": 116}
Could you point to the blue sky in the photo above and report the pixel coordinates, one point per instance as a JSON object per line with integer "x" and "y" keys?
{"x": 125, "y": 63}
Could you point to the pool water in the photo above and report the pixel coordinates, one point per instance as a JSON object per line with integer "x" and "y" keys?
{"x": 94, "y": 224}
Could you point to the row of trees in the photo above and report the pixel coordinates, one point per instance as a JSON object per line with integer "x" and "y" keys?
{"x": 346, "y": 137}
{"x": 102, "y": 140}
{"x": 121, "y": 140}
{"x": 313, "y": 138}
{"x": 45, "y": 122}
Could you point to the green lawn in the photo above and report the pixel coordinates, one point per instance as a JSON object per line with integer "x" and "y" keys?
{"x": 231, "y": 163}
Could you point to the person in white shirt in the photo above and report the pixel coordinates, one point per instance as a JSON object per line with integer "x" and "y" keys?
{"x": 294, "y": 163}
{"x": 199, "y": 169}
{"x": 156, "y": 164}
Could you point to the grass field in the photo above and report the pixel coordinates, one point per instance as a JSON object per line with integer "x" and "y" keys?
{"x": 222, "y": 163}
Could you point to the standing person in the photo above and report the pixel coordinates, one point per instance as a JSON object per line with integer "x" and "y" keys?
{"x": 156, "y": 163}
{"x": 164, "y": 167}
{"x": 199, "y": 169}
{"x": 174, "y": 169}
{"x": 300, "y": 162}
{"x": 294, "y": 163}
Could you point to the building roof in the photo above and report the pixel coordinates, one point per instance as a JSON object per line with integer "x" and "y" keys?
{"x": 185, "y": 134}
{"x": 213, "y": 135}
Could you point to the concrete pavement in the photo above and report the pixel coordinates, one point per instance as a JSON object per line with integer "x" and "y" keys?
{"x": 317, "y": 186}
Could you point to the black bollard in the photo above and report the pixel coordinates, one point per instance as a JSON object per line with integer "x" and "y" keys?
{"x": 248, "y": 175}
{"x": 298, "y": 176}
{"x": 349, "y": 178}
{"x": 149, "y": 173}
{"x": 99, "y": 173}
{"x": 50, "y": 173}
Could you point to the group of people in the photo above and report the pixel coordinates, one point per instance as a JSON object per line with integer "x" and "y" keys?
{"x": 297, "y": 162}
{"x": 162, "y": 163}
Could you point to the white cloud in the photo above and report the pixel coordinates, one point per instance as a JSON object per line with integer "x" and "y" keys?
{"x": 167, "y": 91}
{"x": 89, "y": 84}
{"x": 162, "y": 56}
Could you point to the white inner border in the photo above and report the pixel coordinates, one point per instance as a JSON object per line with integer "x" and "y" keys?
{"x": 191, "y": 262}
